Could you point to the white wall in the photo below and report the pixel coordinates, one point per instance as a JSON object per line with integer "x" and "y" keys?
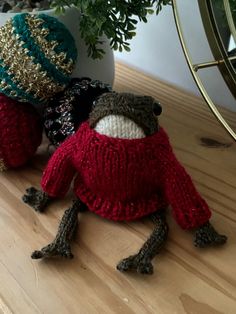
{"x": 156, "y": 50}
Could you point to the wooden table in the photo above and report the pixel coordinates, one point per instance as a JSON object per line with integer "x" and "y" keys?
{"x": 186, "y": 279}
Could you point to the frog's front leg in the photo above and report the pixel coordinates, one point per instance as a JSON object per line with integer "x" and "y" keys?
{"x": 37, "y": 199}
{"x": 206, "y": 235}
{"x": 66, "y": 231}
{"x": 141, "y": 262}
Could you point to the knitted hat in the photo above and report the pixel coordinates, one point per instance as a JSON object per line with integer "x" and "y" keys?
{"x": 20, "y": 132}
{"x": 143, "y": 110}
{"x": 37, "y": 55}
{"x": 64, "y": 112}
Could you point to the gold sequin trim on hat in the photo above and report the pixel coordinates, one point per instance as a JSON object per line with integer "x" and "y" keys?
{"x": 27, "y": 75}
{"x": 47, "y": 47}
{"x": 2, "y": 166}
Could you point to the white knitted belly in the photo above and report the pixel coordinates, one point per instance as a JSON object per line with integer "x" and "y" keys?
{"x": 120, "y": 127}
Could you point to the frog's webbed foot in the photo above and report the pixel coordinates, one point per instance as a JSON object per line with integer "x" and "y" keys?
{"x": 37, "y": 199}
{"x": 141, "y": 262}
{"x": 206, "y": 235}
{"x": 55, "y": 248}
{"x": 136, "y": 263}
{"x": 66, "y": 231}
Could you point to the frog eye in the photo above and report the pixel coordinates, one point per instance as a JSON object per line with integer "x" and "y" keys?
{"x": 157, "y": 109}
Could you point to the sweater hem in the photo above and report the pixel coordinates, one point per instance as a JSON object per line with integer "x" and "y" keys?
{"x": 118, "y": 210}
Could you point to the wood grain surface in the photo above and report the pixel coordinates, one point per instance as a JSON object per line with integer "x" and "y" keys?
{"x": 186, "y": 279}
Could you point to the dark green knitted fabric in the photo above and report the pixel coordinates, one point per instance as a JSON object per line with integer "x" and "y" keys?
{"x": 66, "y": 232}
{"x": 139, "y": 109}
{"x": 141, "y": 262}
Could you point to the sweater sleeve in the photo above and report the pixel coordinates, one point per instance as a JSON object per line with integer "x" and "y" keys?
{"x": 189, "y": 208}
{"x": 59, "y": 171}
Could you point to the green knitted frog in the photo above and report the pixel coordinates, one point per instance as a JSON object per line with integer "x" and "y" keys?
{"x": 125, "y": 169}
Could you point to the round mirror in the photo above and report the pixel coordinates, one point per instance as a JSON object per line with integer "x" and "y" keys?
{"x": 207, "y": 31}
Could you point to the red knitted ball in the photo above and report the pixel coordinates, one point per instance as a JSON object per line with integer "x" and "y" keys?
{"x": 20, "y": 132}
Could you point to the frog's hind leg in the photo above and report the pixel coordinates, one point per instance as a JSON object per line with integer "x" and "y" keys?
{"x": 66, "y": 232}
{"x": 141, "y": 262}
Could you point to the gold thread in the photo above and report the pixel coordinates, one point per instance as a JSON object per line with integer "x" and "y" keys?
{"x": 2, "y": 165}
{"x": 39, "y": 35}
{"x": 27, "y": 75}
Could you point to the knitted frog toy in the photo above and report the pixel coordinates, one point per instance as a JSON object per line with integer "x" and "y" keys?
{"x": 124, "y": 169}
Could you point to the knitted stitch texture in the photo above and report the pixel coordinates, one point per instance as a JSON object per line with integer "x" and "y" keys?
{"x": 64, "y": 112}
{"x": 119, "y": 126}
{"x": 37, "y": 56}
{"x": 139, "y": 109}
{"x": 125, "y": 179}
{"x": 20, "y": 132}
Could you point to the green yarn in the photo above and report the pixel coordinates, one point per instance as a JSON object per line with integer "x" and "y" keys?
{"x": 59, "y": 33}
{"x": 50, "y": 65}
{"x": 20, "y": 28}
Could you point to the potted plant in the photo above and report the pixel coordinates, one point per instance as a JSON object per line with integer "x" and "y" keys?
{"x": 116, "y": 19}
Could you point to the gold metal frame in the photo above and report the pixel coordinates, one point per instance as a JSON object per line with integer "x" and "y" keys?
{"x": 193, "y": 68}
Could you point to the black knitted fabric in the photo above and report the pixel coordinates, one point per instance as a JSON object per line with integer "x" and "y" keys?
{"x": 64, "y": 113}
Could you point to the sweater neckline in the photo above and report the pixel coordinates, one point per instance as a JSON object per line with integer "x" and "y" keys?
{"x": 156, "y": 137}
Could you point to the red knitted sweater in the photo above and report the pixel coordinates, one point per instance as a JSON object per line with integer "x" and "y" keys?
{"x": 123, "y": 179}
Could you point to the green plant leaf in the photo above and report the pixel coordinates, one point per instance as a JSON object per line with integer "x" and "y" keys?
{"x": 115, "y": 19}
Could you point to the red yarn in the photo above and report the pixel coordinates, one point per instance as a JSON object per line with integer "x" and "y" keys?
{"x": 20, "y": 132}
{"x": 123, "y": 179}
